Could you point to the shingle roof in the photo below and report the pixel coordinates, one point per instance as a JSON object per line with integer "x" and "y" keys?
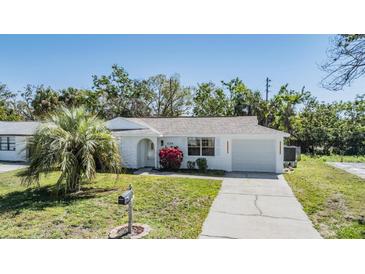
{"x": 137, "y": 132}
{"x": 18, "y": 128}
{"x": 182, "y": 126}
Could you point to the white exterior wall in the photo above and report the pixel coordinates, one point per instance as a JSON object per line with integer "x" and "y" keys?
{"x": 129, "y": 150}
{"x": 17, "y": 155}
{"x": 128, "y": 146}
{"x": 279, "y": 154}
{"x": 221, "y": 160}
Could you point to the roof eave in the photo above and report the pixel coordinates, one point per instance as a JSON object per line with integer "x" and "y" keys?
{"x": 16, "y": 134}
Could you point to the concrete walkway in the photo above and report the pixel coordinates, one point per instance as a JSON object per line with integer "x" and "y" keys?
{"x": 253, "y": 206}
{"x": 357, "y": 169}
{"x": 5, "y": 167}
{"x": 152, "y": 172}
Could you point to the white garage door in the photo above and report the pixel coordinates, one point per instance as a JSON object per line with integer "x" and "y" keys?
{"x": 253, "y": 155}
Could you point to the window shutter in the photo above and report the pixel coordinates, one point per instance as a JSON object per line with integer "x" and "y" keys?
{"x": 217, "y": 146}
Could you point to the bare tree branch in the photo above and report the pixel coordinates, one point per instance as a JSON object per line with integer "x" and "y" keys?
{"x": 346, "y": 61}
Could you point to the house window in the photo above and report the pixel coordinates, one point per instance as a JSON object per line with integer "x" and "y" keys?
{"x": 194, "y": 146}
{"x": 7, "y": 143}
{"x": 207, "y": 146}
{"x": 162, "y": 143}
{"x": 201, "y": 146}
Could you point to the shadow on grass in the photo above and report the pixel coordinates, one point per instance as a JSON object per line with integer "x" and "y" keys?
{"x": 43, "y": 197}
{"x": 21, "y": 173}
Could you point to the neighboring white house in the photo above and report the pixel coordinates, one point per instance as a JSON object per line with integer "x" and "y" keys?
{"x": 13, "y": 140}
{"x": 228, "y": 143}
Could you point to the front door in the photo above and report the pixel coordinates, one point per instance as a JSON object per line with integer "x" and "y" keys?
{"x": 146, "y": 153}
{"x": 150, "y": 160}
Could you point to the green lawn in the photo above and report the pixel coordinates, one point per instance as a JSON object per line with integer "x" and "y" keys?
{"x": 172, "y": 207}
{"x": 333, "y": 199}
{"x": 339, "y": 158}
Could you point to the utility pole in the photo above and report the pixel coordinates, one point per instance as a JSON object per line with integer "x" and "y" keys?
{"x": 267, "y": 88}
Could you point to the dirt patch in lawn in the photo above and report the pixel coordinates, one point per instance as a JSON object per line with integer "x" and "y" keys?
{"x": 334, "y": 213}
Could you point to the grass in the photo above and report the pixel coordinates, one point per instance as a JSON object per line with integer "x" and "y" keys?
{"x": 173, "y": 207}
{"x": 333, "y": 199}
{"x": 339, "y": 158}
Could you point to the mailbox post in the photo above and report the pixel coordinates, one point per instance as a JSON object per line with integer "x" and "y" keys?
{"x": 130, "y": 213}
{"x": 127, "y": 199}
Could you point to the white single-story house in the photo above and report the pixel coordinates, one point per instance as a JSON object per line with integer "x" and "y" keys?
{"x": 228, "y": 143}
{"x": 13, "y": 140}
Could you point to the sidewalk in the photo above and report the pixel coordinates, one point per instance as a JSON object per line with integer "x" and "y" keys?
{"x": 357, "y": 169}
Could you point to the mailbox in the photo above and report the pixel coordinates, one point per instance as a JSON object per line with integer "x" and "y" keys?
{"x": 125, "y": 198}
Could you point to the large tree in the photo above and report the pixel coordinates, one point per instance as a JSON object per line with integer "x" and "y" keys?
{"x": 119, "y": 95}
{"x": 7, "y": 105}
{"x": 157, "y": 85}
{"x": 337, "y": 127}
{"x": 45, "y": 101}
{"x": 284, "y": 107}
{"x": 210, "y": 100}
{"x": 318, "y": 128}
{"x": 24, "y": 105}
{"x": 73, "y": 142}
{"x": 354, "y": 113}
{"x": 242, "y": 100}
{"x": 37, "y": 102}
{"x": 171, "y": 98}
{"x": 73, "y": 97}
{"x": 346, "y": 61}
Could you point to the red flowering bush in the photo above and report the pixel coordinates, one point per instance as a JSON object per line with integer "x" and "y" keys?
{"x": 171, "y": 157}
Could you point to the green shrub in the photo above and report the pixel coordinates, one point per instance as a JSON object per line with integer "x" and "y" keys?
{"x": 191, "y": 164}
{"x": 202, "y": 164}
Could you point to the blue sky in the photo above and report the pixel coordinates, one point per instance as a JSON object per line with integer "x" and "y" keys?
{"x": 70, "y": 60}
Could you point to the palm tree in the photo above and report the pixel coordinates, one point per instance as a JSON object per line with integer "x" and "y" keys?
{"x": 72, "y": 141}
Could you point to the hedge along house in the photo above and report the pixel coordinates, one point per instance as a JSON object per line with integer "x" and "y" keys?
{"x": 228, "y": 143}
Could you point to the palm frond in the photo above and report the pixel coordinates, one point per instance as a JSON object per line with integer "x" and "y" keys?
{"x": 71, "y": 141}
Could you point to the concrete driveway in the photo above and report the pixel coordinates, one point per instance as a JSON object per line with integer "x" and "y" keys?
{"x": 257, "y": 206}
{"x": 354, "y": 168}
{"x": 5, "y": 167}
